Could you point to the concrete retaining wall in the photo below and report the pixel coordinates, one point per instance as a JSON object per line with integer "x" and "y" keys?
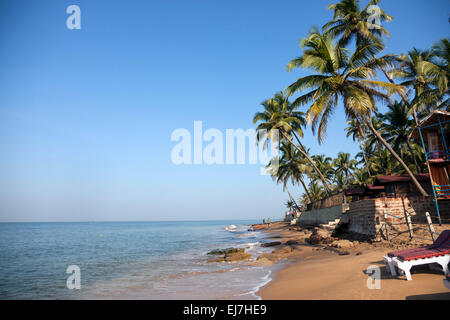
{"x": 320, "y": 216}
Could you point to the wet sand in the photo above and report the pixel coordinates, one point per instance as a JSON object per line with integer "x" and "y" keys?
{"x": 317, "y": 273}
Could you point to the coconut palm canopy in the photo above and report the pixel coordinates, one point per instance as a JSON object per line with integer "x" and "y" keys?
{"x": 345, "y": 68}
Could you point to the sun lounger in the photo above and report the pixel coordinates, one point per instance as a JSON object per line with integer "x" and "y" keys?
{"x": 438, "y": 252}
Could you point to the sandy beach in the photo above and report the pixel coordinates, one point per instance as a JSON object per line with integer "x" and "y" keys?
{"x": 320, "y": 272}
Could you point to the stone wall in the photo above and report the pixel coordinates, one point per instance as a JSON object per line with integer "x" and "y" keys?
{"x": 367, "y": 216}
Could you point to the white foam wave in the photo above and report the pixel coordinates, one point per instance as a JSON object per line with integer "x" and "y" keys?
{"x": 231, "y": 228}
{"x": 264, "y": 280}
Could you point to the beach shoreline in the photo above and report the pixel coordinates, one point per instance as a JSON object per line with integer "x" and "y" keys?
{"x": 319, "y": 272}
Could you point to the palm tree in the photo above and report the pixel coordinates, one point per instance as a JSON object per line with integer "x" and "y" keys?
{"x": 340, "y": 76}
{"x": 397, "y": 127}
{"x": 372, "y": 140}
{"x": 279, "y": 116}
{"x": 292, "y": 166}
{"x": 360, "y": 177}
{"x": 316, "y": 191}
{"x": 341, "y": 182}
{"x": 370, "y": 154}
{"x": 441, "y": 58}
{"x": 383, "y": 163}
{"x": 417, "y": 72}
{"x": 350, "y": 21}
{"x": 324, "y": 164}
{"x": 290, "y": 205}
{"x": 344, "y": 164}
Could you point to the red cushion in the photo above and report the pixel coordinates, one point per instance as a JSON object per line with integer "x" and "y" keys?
{"x": 443, "y": 241}
{"x": 423, "y": 254}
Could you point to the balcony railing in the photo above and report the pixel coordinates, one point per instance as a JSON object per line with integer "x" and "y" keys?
{"x": 437, "y": 154}
{"x": 442, "y": 191}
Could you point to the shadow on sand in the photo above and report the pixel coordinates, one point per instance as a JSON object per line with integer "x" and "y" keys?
{"x": 434, "y": 296}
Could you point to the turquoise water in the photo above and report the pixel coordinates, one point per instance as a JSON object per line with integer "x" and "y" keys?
{"x": 127, "y": 260}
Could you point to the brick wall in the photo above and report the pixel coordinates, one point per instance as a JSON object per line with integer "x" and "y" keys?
{"x": 422, "y": 205}
{"x": 366, "y": 216}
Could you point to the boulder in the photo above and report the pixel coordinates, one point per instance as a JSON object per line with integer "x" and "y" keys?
{"x": 232, "y": 257}
{"x": 319, "y": 236}
{"x": 237, "y": 256}
{"x": 342, "y": 244}
{"x": 271, "y": 244}
{"x": 221, "y": 252}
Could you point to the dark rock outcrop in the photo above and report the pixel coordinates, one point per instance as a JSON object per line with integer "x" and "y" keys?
{"x": 221, "y": 252}
{"x": 270, "y": 244}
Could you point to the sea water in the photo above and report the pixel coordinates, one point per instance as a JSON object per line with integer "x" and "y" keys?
{"x": 128, "y": 260}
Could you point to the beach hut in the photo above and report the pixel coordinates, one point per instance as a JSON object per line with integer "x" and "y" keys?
{"x": 369, "y": 191}
{"x": 434, "y": 135}
{"x": 401, "y": 185}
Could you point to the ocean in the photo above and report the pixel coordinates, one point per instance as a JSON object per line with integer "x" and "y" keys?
{"x": 128, "y": 260}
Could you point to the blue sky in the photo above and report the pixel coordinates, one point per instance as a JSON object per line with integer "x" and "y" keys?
{"x": 86, "y": 115}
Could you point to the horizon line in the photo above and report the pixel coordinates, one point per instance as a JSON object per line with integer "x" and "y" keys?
{"x": 100, "y": 221}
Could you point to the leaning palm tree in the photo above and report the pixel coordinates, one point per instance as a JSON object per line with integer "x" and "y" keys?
{"x": 279, "y": 116}
{"x": 340, "y": 76}
{"x": 350, "y": 21}
{"x": 372, "y": 140}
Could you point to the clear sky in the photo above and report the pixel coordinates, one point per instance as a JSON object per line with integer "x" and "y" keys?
{"x": 86, "y": 115}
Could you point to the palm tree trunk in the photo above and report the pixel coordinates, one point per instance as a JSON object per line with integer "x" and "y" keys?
{"x": 310, "y": 160}
{"x": 396, "y": 156}
{"x": 306, "y": 189}
{"x": 292, "y": 199}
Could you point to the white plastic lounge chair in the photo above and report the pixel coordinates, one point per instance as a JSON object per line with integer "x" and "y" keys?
{"x": 405, "y": 266}
{"x": 438, "y": 252}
